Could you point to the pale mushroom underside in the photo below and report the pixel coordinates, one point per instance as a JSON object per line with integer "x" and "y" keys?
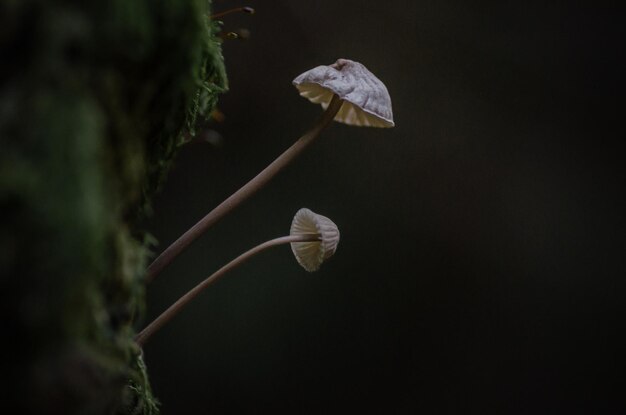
{"x": 349, "y": 113}
{"x": 312, "y": 254}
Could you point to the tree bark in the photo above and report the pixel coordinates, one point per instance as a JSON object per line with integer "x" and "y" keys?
{"x": 95, "y": 99}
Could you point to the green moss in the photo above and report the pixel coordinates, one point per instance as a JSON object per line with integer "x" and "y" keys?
{"x": 95, "y": 99}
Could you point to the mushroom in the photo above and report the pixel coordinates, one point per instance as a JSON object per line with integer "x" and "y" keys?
{"x": 366, "y": 99}
{"x": 312, "y": 254}
{"x": 347, "y": 91}
{"x": 313, "y": 239}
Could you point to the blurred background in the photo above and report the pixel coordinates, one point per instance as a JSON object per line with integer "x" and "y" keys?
{"x": 481, "y": 266}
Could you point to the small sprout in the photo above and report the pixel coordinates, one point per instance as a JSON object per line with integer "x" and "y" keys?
{"x": 313, "y": 253}
{"x": 247, "y": 10}
{"x": 366, "y": 99}
{"x": 241, "y": 34}
{"x": 229, "y": 36}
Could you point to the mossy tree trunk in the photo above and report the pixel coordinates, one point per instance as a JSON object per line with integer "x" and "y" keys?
{"x": 95, "y": 98}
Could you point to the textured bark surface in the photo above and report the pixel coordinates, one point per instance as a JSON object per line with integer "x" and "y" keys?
{"x": 95, "y": 98}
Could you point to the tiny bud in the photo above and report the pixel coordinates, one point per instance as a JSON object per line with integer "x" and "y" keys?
{"x": 241, "y": 34}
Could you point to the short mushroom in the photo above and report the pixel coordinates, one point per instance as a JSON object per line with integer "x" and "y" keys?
{"x": 344, "y": 84}
{"x": 312, "y": 254}
{"x": 313, "y": 239}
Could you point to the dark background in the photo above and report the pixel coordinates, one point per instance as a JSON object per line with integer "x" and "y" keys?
{"x": 481, "y": 266}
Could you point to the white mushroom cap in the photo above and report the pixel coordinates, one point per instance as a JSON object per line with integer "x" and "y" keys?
{"x": 366, "y": 99}
{"x": 311, "y": 254}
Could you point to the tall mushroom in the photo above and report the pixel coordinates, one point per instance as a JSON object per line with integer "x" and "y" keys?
{"x": 366, "y": 99}
{"x": 348, "y": 92}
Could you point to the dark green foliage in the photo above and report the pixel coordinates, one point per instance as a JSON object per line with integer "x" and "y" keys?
{"x": 95, "y": 99}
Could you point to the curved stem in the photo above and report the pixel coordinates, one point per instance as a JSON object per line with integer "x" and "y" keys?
{"x": 175, "y": 308}
{"x": 246, "y": 9}
{"x": 244, "y": 192}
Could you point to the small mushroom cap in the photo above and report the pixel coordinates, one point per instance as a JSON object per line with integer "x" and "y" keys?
{"x": 312, "y": 254}
{"x": 366, "y": 99}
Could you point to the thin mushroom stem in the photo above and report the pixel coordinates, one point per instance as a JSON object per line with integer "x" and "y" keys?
{"x": 175, "y": 308}
{"x": 244, "y": 192}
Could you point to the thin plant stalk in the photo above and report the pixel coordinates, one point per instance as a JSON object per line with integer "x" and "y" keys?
{"x": 246, "y": 9}
{"x": 175, "y": 308}
{"x": 244, "y": 192}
